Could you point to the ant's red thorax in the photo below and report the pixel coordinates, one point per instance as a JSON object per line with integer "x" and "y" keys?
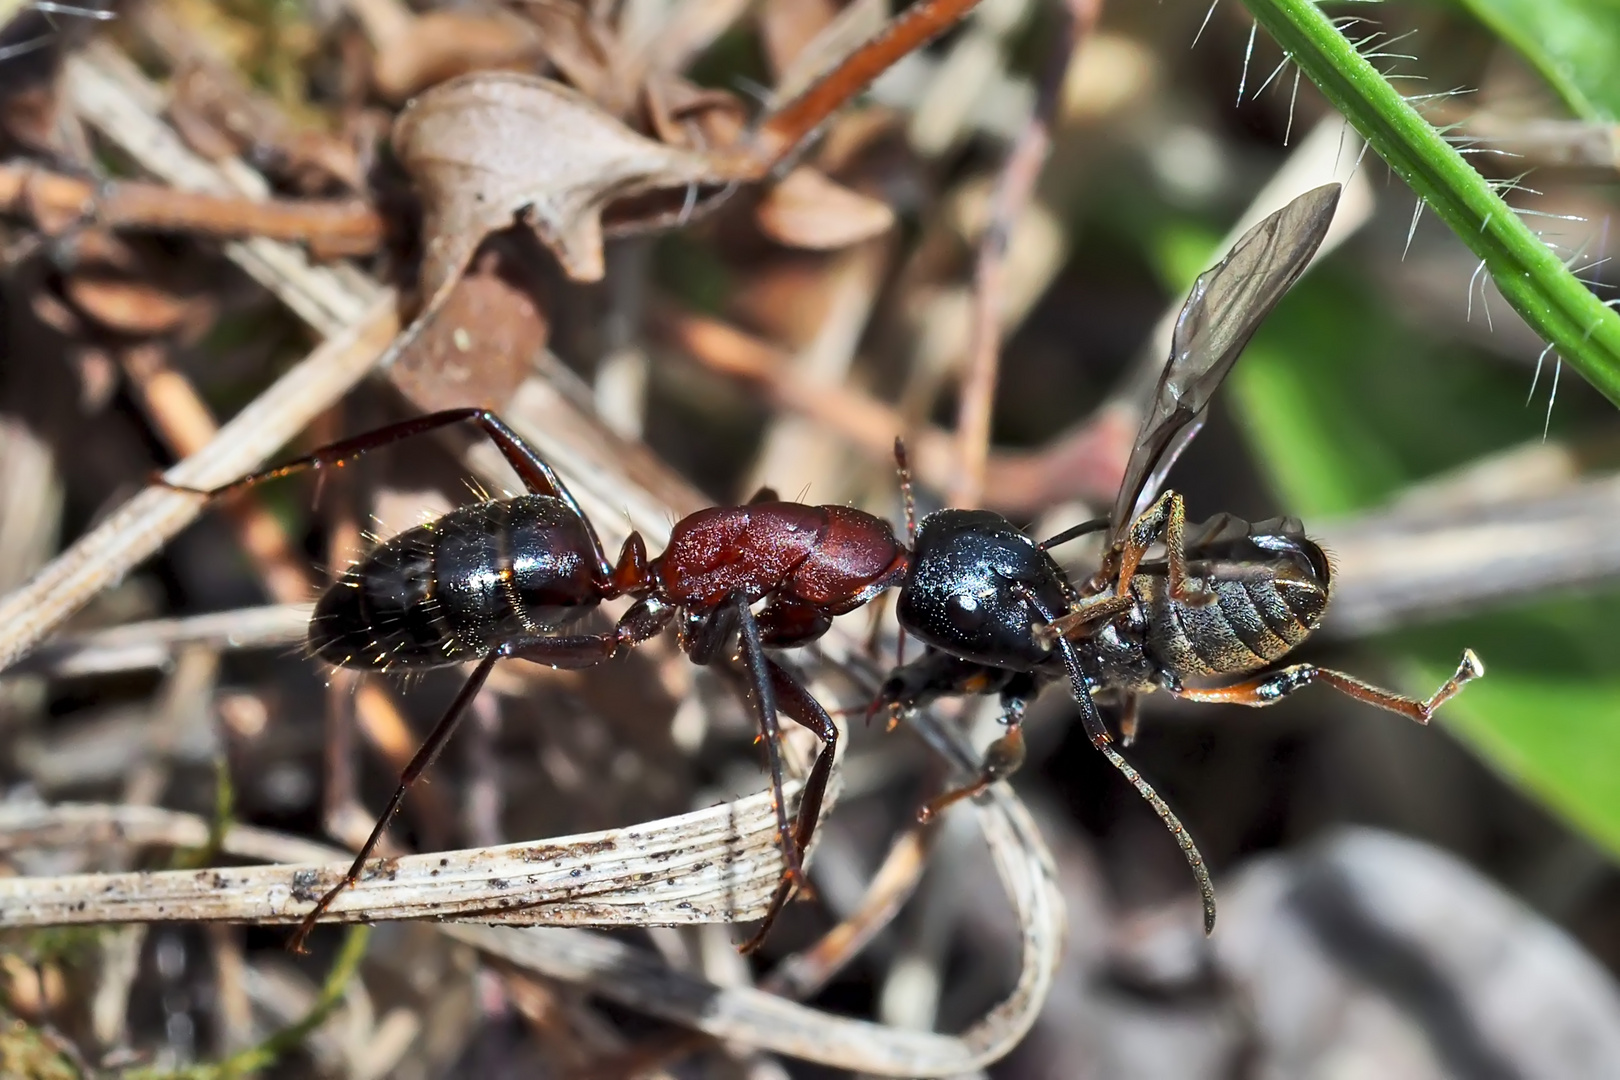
{"x": 825, "y": 556}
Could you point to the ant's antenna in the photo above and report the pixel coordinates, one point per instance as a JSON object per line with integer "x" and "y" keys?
{"x": 907, "y": 496}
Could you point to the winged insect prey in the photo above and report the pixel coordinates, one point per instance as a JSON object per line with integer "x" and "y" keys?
{"x": 1227, "y": 597}
{"x": 509, "y": 578}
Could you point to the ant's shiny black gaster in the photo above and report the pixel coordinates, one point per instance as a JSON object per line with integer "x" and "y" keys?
{"x": 459, "y": 586}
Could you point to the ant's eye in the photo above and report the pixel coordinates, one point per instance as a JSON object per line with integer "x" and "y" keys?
{"x": 965, "y": 611}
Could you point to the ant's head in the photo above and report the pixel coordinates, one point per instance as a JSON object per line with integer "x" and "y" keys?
{"x": 969, "y": 586}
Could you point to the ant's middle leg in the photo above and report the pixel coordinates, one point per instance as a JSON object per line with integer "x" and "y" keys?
{"x": 646, "y": 619}
{"x": 1270, "y": 689}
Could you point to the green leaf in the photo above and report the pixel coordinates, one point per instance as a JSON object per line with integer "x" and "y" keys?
{"x": 1532, "y": 278}
{"x": 1575, "y": 44}
{"x": 1344, "y": 406}
{"x": 1547, "y": 713}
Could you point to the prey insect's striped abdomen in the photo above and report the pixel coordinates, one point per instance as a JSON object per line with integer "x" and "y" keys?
{"x": 1258, "y": 615}
{"x": 457, "y": 587}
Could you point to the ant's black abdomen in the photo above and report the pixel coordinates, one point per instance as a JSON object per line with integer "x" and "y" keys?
{"x": 459, "y": 586}
{"x": 968, "y": 590}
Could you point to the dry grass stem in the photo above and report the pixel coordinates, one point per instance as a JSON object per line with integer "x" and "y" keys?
{"x": 1409, "y": 564}
{"x": 152, "y": 644}
{"x": 639, "y": 980}
{"x": 719, "y": 864}
{"x": 107, "y": 90}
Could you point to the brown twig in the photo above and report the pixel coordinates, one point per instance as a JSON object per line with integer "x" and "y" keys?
{"x": 184, "y": 423}
{"x": 1013, "y": 191}
{"x": 1089, "y": 464}
{"x": 804, "y": 974}
{"x": 55, "y": 202}
{"x": 785, "y": 128}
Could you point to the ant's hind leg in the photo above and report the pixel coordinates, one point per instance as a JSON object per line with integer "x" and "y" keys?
{"x": 425, "y": 756}
{"x": 537, "y": 476}
{"x": 1270, "y": 689}
{"x": 338, "y": 454}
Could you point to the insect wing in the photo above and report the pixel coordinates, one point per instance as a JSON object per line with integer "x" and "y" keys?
{"x": 1226, "y": 306}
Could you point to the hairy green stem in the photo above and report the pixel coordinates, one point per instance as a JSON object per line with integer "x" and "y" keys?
{"x": 1532, "y": 278}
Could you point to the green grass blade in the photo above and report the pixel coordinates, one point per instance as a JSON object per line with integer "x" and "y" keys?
{"x": 1530, "y": 276}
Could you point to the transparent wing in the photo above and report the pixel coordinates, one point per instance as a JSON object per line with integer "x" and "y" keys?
{"x": 1227, "y": 305}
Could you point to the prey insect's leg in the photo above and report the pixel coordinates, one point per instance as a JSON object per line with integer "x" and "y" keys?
{"x": 429, "y": 750}
{"x": 804, "y": 709}
{"x": 1002, "y": 758}
{"x": 1130, "y": 716}
{"x": 1270, "y": 689}
{"x": 704, "y": 647}
{"x": 1082, "y": 614}
{"x": 1166, "y": 519}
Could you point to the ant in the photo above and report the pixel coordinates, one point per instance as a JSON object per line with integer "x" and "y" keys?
{"x": 998, "y": 615}
{"x": 504, "y": 578}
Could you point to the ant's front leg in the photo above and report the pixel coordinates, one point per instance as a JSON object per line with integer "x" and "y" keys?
{"x": 1166, "y": 519}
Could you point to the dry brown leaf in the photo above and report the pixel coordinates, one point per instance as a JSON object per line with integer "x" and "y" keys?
{"x": 480, "y": 345}
{"x": 685, "y": 114}
{"x": 438, "y": 45}
{"x": 807, "y": 210}
{"x": 787, "y": 26}
{"x": 128, "y": 306}
{"x": 494, "y": 147}
{"x": 583, "y": 52}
